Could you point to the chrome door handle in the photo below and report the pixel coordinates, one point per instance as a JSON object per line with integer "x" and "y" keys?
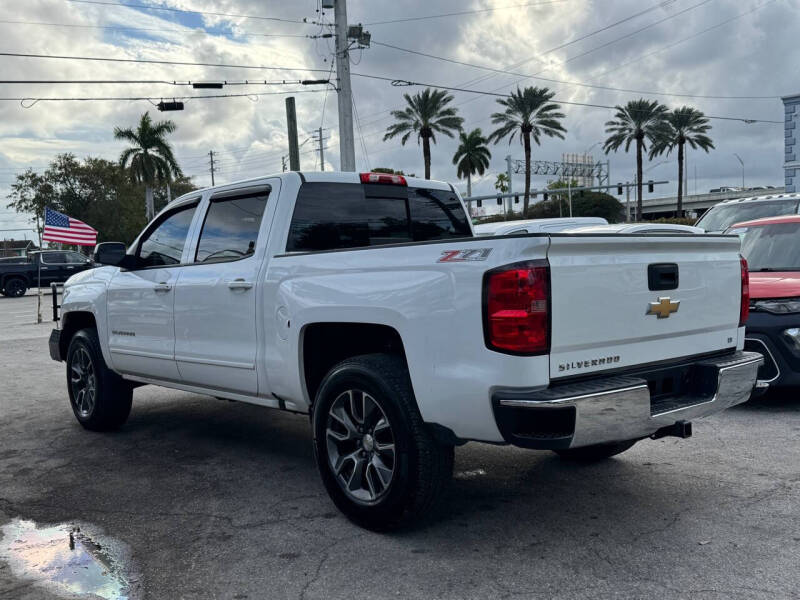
{"x": 162, "y": 287}
{"x": 240, "y": 284}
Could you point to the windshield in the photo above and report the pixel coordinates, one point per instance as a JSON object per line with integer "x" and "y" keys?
{"x": 723, "y": 216}
{"x": 771, "y": 247}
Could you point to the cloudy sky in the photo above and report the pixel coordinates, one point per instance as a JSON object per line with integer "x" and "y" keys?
{"x": 729, "y": 58}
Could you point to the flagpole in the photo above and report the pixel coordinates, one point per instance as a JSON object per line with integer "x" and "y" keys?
{"x": 39, "y": 276}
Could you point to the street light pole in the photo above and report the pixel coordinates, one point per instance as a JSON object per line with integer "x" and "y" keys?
{"x": 741, "y": 162}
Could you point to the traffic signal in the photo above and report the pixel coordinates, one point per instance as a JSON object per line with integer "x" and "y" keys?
{"x": 544, "y": 196}
{"x": 499, "y": 201}
{"x": 516, "y": 199}
{"x": 480, "y": 203}
{"x": 650, "y": 187}
{"x": 619, "y": 189}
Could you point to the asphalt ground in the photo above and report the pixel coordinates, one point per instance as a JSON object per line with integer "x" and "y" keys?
{"x": 211, "y": 499}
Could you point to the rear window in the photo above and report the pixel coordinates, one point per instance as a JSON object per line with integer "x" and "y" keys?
{"x": 334, "y": 216}
{"x": 723, "y": 216}
{"x": 774, "y": 247}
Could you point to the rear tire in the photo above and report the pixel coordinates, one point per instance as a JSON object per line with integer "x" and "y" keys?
{"x": 100, "y": 399}
{"x": 595, "y": 453}
{"x": 15, "y": 287}
{"x": 378, "y": 461}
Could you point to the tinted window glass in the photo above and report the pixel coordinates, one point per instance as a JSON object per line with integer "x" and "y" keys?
{"x": 164, "y": 244}
{"x": 54, "y": 258}
{"x": 332, "y": 216}
{"x": 436, "y": 215}
{"x": 771, "y": 247}
{"x": 231, "y": 228}
{"x": 721, "y": 217}
{"x": 75, "y": 257}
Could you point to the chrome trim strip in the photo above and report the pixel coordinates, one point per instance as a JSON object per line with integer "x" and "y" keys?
{"x": 530, "y": 403}
{"x": 141, "y": 353}
{"x": 215, "y": 362}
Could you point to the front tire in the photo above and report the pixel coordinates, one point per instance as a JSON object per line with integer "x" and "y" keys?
{"x": 379, "y": 463}
{"x": 595, "y": 453}
{"x": 15, "y": 287}
{"x": 100, "y": 399}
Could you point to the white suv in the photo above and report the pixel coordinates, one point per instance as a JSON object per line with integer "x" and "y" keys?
{"x": 725, "y": 214}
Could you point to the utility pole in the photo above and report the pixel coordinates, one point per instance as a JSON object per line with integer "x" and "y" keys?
{"x": 347, "y": 149}
{"x": 321, "y": 150}
{"x": 508, "y": 174}
{"x": 211, "y": 163}
{"x": 628, "y": 202}
{"x": 291, "y": 124}
{"x": 283, "y": 163}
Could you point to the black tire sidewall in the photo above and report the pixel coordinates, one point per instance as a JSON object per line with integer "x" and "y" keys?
{"x": 18, "y": 290}
{"x": 113, "y": 395}
{"x": 389, "y": 507}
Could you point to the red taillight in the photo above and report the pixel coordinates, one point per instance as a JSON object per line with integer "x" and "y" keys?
{"x": 383, "y": 178}
{"x": 517, "y": 308}
{"x": 744, "y": 309}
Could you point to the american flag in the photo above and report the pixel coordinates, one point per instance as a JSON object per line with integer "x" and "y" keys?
{"x": 64, "y": 229}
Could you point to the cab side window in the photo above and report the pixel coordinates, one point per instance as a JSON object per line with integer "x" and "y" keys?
{"x": 163, "y": 244}
{"x": 230, "y": 231}
{"x": 75, "y": 258}
{"x": 54, "y": 258}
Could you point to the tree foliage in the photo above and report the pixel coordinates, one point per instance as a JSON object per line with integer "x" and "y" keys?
{"x": 426, "y": 114}
{"x": 530, "y": 113}
{"x": 584, "y": 204}
{"x": 94, "y": 190}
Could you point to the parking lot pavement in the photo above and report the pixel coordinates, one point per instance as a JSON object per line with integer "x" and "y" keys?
{"x": 18, "y": 316}
{"x": 221, "y": 500}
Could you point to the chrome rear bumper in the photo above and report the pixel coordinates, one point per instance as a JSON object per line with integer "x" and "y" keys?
{"x": 611, "y": 409}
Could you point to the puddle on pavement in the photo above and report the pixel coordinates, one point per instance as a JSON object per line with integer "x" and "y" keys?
{"x": 65, "y": 560}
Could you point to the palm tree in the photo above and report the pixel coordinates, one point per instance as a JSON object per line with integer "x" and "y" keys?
{"x": 530, "y": 112}
{"x": 149, "y": 160}
{"x": 641, "y": 121}
{"x": 685, "y": 125}
{"x": 426, "y": 115}
{"x": 471, "y": 157}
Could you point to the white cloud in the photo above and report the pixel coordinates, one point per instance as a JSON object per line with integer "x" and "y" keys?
{"x": 749, "y": 56}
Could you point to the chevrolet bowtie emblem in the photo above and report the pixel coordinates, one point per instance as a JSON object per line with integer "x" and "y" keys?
{"x": 664, "y": 307}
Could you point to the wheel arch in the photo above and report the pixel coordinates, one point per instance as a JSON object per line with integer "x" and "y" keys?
{"x": 71, "y": 323}
{"x": 325, "y": 344}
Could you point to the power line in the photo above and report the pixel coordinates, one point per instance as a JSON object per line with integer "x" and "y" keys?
{"x": 463, "y": 12}
{"x": 194, "y": 12}
{"x": 158, "y": 62}
{"x": 33, "y": 101}
{"x": 151, "y": 29}
{"x": 407, "y": 83}
{"x": 575, "y": 83}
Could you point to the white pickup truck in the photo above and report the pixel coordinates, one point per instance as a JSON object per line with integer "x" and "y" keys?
{"x": 366, "y": 302}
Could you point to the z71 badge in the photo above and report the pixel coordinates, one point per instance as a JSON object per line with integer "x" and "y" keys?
{"x": 473, "y": 254}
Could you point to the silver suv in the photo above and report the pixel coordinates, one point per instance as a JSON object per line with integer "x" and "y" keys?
{"x": 723, "y": 215}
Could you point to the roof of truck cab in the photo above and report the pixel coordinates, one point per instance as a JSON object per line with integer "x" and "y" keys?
{"x": 311, "y": 177}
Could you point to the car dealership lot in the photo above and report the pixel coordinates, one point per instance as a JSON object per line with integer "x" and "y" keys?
{"x": 215, "y": 500}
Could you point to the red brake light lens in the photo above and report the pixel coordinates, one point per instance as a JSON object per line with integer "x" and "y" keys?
{"x": 517, "y": 308}
{"x": 382, "y": 178}
{"x": 744, "y": 309}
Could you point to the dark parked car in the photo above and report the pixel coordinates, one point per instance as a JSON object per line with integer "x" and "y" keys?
{"x": 16, "y": 276}
{"x": 772, "y": 249}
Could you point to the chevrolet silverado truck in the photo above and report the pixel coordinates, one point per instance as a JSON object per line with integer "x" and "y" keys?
{"x": 40, "y": 269}
{"x": 365, "y": 301}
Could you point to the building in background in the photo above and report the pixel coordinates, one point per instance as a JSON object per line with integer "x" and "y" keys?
{"x": 791, "y": 166}
{"x": 583, "y": 163}
{"x": 12, "y": 248}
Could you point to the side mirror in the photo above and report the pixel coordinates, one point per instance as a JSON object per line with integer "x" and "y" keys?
{"x": 110, "y": 253}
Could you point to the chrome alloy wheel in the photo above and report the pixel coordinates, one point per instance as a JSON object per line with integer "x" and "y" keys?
{"x": 84, "y": 383}
{"x": 360, "y": 443}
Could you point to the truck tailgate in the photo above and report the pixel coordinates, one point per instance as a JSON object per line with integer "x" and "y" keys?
{"x": 601, "y": 311}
